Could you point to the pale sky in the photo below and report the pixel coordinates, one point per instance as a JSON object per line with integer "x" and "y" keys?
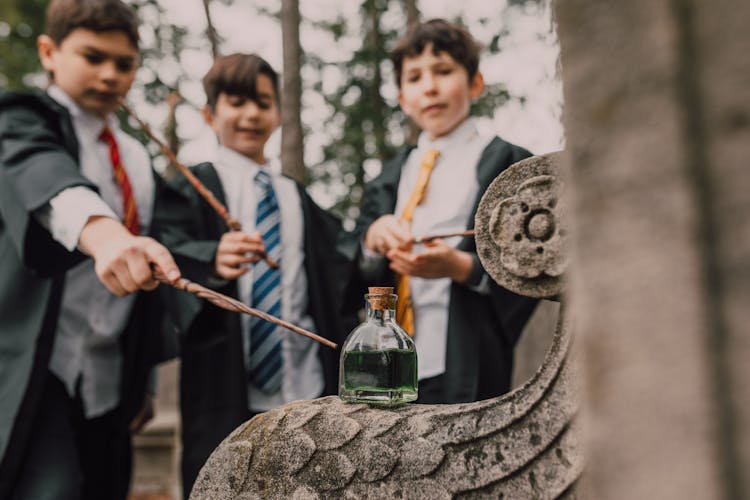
{"x": 527, "y": 65}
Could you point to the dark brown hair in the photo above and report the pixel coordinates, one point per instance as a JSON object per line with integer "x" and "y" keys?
{"x": 237, "y": 74}
{"x": 444, "y": 36}
{"x": 64, "y": 16}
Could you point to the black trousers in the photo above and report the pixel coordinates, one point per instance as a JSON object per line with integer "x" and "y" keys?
{"x": 200, "y": 439}
{"x": 71, "y": 457}
{"x": 432, "y": 390}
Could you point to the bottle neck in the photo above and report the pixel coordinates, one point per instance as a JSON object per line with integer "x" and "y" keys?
{"x": 379, "y": 314}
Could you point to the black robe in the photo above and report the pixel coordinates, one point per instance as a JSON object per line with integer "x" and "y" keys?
{"x": 213, "y": 379}
{"x": 482, "y": 329}
{"x": 38, "y": 159}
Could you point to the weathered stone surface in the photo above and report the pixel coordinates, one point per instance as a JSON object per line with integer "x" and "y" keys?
{"x": 521, "y": 234}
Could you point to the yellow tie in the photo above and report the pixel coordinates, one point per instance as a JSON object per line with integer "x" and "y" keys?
{"x": 404, "y": 309}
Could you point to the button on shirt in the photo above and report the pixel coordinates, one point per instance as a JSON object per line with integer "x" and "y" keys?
{"x": 303, "y": 371}
{"x": 86, "y": 346}
{"x": 446, "y": 207}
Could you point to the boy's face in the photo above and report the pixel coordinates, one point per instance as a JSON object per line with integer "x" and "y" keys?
{"x": 95, "y": 69}
{"x": 245, "y": 125}
{"x": 436, "y": 92}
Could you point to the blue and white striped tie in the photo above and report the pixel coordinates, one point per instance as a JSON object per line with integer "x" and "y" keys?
{"x": 266, "y": 366}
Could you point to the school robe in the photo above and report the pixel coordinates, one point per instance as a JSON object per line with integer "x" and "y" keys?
{"x": 213, "y": 378}
{"x": 482, "y": 329}
{"x": 38, "y": 159}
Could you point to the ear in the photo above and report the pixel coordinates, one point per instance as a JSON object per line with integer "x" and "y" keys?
{"x": 476, "y": 86}
{"x": 404, "y": 104}
{"x": 208, "y": 115}
{"x": 46, "y": 48}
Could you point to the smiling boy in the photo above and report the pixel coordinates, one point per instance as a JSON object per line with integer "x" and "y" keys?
{"x": 232, "y": 367}
{"x": 464, "y": 325}
{"x": 76, "y": 352}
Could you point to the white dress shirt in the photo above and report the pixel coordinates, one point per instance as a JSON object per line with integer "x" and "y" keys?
{"x": 303, "y": 371}
{"x": 86, "y": 348}
{"x": 446, "y": 207}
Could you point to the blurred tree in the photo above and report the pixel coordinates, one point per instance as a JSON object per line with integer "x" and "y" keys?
{"x": 360, "y": 122}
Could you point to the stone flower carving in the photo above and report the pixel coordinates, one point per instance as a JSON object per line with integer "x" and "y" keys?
{"x": 528, "y": 229}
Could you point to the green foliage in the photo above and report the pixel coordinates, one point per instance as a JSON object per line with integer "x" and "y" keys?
{"x": 359, "y": 119}
{"x": 21, "y": 21}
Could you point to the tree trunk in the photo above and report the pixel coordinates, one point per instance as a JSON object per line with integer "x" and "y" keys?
{"x": 412, "y": 17}
{"x": 657, "y": 124}
{"x": 373, "y": 45}
{"x": 292, "y": 144}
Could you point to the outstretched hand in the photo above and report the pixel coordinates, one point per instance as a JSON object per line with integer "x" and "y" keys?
{"x": 123, "y": 261}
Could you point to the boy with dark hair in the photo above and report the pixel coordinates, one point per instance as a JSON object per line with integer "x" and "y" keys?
{"x": 233, "y": 368}
{"x": 76, "y": 353}
{"x": 464, "y": 325}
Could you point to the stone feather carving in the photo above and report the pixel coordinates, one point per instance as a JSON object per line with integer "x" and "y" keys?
{"x": 521, "y": 445}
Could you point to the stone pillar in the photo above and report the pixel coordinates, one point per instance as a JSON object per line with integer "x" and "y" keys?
{"x": 657, "y": 119}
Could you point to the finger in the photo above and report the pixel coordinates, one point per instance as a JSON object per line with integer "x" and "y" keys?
{"x": 231, "y": 273}
{"x": 401, "y": 268}
{"x": 240, "y": 237}
{"x": 124, "y": 278}
{"x": 232, "y": 260}
{"x": 240, "y": 248}
{"x": 402, "y": 255}
{"x": 247, "y": 248}
{"x": 160, "y": 256}
{"x": 140, "y": 271}
{"x": 137, "y": 423}
{"x": 113, "y": 285}
{"x": 390, "y": 241}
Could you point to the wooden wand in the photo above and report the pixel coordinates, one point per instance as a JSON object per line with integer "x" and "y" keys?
{"x": 234, "y": 305}
{"x": 220, "y": 209}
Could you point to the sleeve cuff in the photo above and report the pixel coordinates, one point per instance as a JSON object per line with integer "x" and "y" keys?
{"x": 68, "y": 212}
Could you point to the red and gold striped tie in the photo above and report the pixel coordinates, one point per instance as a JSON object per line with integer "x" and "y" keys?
{"x": 129, "y": 209}
{"x": 404, "y": 308}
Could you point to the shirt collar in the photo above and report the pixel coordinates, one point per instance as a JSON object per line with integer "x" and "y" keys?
{"x": 85, "y": 122}
{"x": 458, "y": 136}
{"x": 237, "y": 161}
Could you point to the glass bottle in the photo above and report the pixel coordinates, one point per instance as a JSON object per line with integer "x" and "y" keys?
{"x": 378, "y": 358}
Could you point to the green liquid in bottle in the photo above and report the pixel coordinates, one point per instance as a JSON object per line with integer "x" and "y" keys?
{"x": 387, "y": 377}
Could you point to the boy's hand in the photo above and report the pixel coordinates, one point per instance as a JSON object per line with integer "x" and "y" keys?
{"x": 235, "y": 250}
{"x": 388, "y": 232}
{"x": 437, "y": 261}
{"x": 123, "y": 261}
{"x": 144, "y": 415}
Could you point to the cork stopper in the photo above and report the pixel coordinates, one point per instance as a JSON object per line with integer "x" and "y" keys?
{"x": 379, "y": 296}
